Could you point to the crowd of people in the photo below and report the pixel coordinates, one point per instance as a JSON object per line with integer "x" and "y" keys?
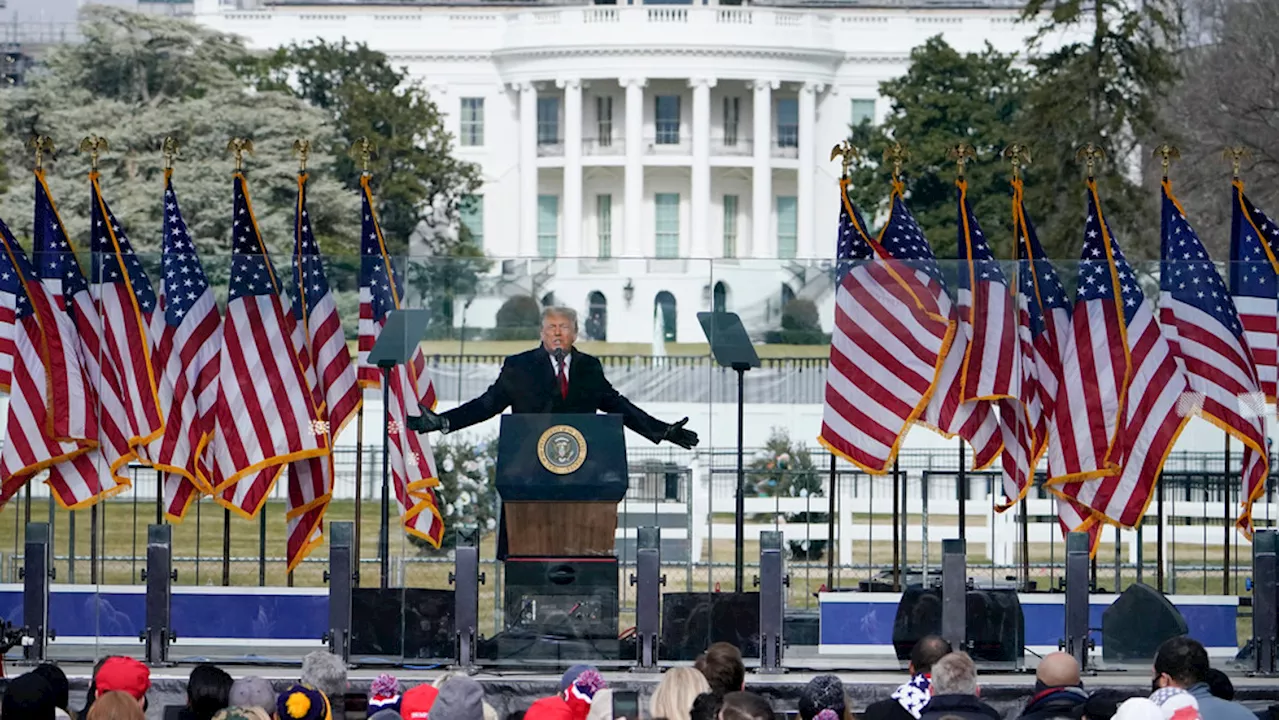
{"x": 943, "y": 685}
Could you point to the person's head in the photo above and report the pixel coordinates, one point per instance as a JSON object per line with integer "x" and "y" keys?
{"x": 722, "y": 665}
{"x": 242, "y": 713}
{"x": 208, "y": 691}
{"x": 325, "y": 672}
{"x": 1219, "y": 684}
{"x": 823, "y": 692}
{"x": 559, "y": 328}
{"x": 1057, "y": 670}
{"x": 28, "y": 696}
{"x": 954, "y": 674}
{"x": 740, "y": 705}
{"x": 572, "y": 674}
{"x": 384, "y": 693}
{"x": 1102, "y": 704}
{"x": 927, "y": 651}
{"x": 706, "y": 706}
{"x": 116, "y": 705}
{"x": 57, "y": 680}
{"x": 1180, "y": 662}
{"x": 301, "y": 702}
{"x": 252, "y": 692}
{"x": 416, "y": 702}
{"x": 125, "y": 675}
{"x": 460, "y": 698}
{"x": 673, "y": 698}
{"x": 387, "y": 714}
{"x": 1138, "y": 709}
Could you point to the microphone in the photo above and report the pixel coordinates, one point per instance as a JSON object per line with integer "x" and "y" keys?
{"x": 559, "y": 355}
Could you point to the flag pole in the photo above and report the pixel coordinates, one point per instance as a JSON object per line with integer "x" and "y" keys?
{"x": 363, "y": 150}
{"x": 1020, "y": 155}
{"x": 94, "y": 145}
{"x": 847, "y": 154}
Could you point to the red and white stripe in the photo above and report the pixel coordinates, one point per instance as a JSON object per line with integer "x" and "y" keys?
{"x": 265, "y": 417}
{"x": 975, "y": 420}
{"x": 1093, "y": 378}
{"x": 1259, "y": 317}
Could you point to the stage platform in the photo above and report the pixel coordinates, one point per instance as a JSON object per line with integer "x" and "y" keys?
{"x": 512, "y": 690}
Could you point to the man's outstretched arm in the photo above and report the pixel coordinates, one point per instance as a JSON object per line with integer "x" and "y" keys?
{"x": 489, "y": 403}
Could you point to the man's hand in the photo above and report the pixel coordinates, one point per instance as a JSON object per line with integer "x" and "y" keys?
{"x": 429, "y": 421}
{"x": 676, "y": 433}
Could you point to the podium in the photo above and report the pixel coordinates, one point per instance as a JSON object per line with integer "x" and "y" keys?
{"x": 560, "y": 478}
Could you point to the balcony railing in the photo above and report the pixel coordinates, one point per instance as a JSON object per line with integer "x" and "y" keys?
{"x": 604, "y": 146}
{"x": 786, "y": 148}
{"x": 548, "y": 148}
{"x": 738, "y": 146}
{"x": 668, "y": 145}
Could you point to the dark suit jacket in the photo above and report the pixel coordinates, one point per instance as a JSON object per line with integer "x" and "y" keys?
{"x": 527, "y": 384}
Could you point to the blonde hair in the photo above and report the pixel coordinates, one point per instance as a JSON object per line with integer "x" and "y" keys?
{"x": 674, "y": 697}
{"x": 251, "y": 713}
{"x": 116, "y": 705}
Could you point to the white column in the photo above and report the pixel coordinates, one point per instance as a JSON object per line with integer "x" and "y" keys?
{"x": 700, "y": 175}
{"x": 528, "y": 170}
{"x": 572, "y": 167}
{"x": 633, "y": 195}
{"x": 805, "y": 241}
{"x": 762, "y": 245}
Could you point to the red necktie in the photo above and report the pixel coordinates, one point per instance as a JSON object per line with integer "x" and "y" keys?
{"x": 564, "y": 382}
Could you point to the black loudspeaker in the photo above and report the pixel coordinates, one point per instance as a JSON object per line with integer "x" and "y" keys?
{"x": 564, "y": 597}
{"x": 1137, "y": 622}
{"x": 994, "y": 626}
{"x": 693, "y": 621}
{"x": 396, "y": 622}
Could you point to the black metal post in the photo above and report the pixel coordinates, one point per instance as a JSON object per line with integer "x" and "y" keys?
{"x": 1228, "y": 522}
{"x": 1159, "y": 535}
{"x": 740, "y": 507}
{"x": 467, "y": 579}
{"x": 262, "y": 550}
{"x": 93, "y": 545}
{"x": 226, "y": 547}
{"x": 897, "y": 562}
{"x": 355, "y": 536}
{"x": 339, "y": 577}
{"x": 160, "y": 497}
{"x": 1026, "y": 542}
{"x": 384, "y": 532}
{"x": 962, "y": 486}
{"x": 1075, "y": 639}
{"x": 159, "y": 576}
{"x": 831, "y": 524}
{"x": 37, "y": 571}
{"x": 71, "y": 547}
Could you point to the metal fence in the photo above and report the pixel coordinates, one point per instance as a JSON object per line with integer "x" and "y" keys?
{"x": 888, "y": 530}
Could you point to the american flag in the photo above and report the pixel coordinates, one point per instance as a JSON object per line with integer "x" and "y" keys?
{"x": 334, "y": 377}
{"x": 989, "y": 328}
{"x": 266, "y": 417}
{"x": 413, "y": 469}
{"x": 1044, "y": 324}
{"x": 187, "y": 333}
{"x": 885, "y": 348}
{"x": 1121, "y": 383}
{"x": 126, "y": 302}
{"x": 946, "y": 412}
{"x": 1254, "y": 285}
{"x": 47, "y": 380}
{"x": 85, "y": 479}
{"x": 1207, "y": 335}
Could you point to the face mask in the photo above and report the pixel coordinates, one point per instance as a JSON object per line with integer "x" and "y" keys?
{"x": 1155, "y": 683}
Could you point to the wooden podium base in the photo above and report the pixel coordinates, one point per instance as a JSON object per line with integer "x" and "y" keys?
{"x": 560, "y": 529}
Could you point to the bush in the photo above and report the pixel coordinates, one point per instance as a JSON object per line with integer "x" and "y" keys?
{"x": 800, "y": 325}
{"x": 787, "y": 470}
{"x": 467, "y": 495}
{"x": 519, "y": 318}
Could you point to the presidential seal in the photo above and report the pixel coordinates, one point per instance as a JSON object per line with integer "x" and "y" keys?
{"x": 562, "y": 449}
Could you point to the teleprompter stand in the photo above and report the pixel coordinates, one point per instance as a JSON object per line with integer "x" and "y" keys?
{"x": 395, "y": 346}
{"x": 732, "y": 348}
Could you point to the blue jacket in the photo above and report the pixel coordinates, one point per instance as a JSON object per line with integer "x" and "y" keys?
{"x": 1213, "y": 708}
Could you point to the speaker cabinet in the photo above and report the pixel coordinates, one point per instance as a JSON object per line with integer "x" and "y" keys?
{"x": 1137, "y": 623}
{"x": 402, "y": 622}
{"x": 994, "y": 626}
{"x": 693, "y": 621}
{"x": 564, "y": 597}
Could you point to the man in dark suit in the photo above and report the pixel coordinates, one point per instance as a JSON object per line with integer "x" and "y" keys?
{"x": 554, "y": 378}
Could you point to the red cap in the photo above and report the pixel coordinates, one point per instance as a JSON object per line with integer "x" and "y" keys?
{"x": 416, "y": 702}
{"x": 124, "y": 674}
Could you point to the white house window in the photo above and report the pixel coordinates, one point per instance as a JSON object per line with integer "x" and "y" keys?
{"x": 666, "y": 225}
{"x": 604, "y": 120}
{"x": 548, "y": 121}
{"x": 666, "y": 121}
{"x": 731, "y": 117}
{"x": 471, "y": 215}
{"x": 786, "y": 226}
{"x": 604, "y": 226}
{"x": 548, "y": 225}
{"x": 731, "y": 226}
{"x": 861, "y": 111}
{"x": 788, "y": 129}
{"x": 472, "y": 128}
